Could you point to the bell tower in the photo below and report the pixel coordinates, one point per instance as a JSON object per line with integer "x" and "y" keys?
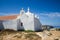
{"x": 22, "y": 11}
{"x": 28, "y": 10}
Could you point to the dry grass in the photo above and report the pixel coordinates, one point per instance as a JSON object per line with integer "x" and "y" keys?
{"x": 49, "y": 35}
{"x": 24, "y": 35}
{"x": 18, "y": 35}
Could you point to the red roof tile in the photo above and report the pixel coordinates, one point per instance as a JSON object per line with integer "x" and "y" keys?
{"x": 10, "y": 17}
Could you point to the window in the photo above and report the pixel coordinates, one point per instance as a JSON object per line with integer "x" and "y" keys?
{"x": 21, "y": 24}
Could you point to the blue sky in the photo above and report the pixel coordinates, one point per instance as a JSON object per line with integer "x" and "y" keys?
{"x": 47, "y": 10}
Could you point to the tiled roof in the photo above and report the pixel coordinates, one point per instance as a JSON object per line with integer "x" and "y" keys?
{"x": 10, "y": 17}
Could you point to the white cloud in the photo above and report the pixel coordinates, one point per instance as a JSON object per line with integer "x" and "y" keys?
{"x": 51, "y": 14}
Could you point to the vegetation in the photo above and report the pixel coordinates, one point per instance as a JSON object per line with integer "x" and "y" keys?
{"x": 58, "y": 29}
{"x": 29, "y": 31}
{"x": 18, "y": 35}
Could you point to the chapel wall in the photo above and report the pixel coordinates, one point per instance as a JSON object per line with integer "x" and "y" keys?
{"x": 37, "y": 24}
{"x": 1, "y": 25}
{"x": 10, "y": 24}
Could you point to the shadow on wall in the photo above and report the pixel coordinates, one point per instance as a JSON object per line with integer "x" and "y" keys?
{"x": 37, "y": 25}
{"x": 20, "y": 25}
{"x": 1, "y": 25}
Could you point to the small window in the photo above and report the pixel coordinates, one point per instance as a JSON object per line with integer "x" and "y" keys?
{"x": 21, "y": 24}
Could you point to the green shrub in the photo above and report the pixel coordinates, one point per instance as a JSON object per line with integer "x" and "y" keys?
{"x": 29, "y": 31}
{"x": 58, "y": 29}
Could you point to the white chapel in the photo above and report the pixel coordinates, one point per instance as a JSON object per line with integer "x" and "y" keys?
{"x": 23, "y": 21}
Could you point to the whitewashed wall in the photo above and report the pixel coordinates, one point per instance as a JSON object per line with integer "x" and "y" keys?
{"x": 19, "y": 27}
{"x": 28, "y": 22}
{"x": 10, "y": 24}
{"x": 1, "y": 25}
{"x": 37, "y": 24}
